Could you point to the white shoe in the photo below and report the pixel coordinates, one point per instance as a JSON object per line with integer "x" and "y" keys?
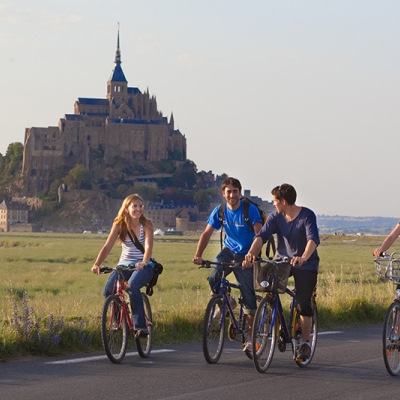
{"x": 394, "y": 337}
{"x": 248, "y": 344}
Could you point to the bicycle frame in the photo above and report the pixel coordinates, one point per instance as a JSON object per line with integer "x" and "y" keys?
{"x": 121, "y": 287}
{"x": 117, "y": 321}
{"x": 271, "y": 327}
{"x": 226, "y": 307}
{"x": 278, "y": 320}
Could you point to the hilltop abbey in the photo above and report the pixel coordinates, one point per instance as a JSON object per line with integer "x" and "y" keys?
{"x": 126, "y": 124}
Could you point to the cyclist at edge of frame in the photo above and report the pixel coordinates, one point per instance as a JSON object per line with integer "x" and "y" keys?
{"x": 297, "y": 238}
{"x": 389, "y": 240}
{"x": 130, "y": 226}
{"x": 237, "y": 242}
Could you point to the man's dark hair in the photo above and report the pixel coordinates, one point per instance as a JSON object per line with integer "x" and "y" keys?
{"x": 231, "y": 181}
{"x": 285, "y": 192}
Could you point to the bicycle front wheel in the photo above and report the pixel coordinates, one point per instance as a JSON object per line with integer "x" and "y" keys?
{"x": 143, "y": 345}
{"x": 264, "y": 335}
{"x": 313, "y": 333}
{"x": 213, "y": 330}
{"x": 114, "y": 330}
{"x": 391, "y": 339}
{"x": 243, "y": 328}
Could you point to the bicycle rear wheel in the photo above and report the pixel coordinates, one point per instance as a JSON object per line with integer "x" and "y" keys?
{"x": 114, "y": 330}
{"x": 264, "y": 335}
{"x": 313, "y": 334}
{"x": 213, "y": 330}
{"x": 143, "y": 345}
{"x": 391, "y": 339}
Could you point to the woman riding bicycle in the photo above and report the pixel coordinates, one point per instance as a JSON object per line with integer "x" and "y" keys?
{"x": 130, "y": 227}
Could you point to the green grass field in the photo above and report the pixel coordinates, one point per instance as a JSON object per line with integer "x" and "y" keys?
{"x": 64, "y": 298}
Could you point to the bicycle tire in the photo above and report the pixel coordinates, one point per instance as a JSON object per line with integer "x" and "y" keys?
{"x": 143, "y": 345}
{"x": 213, "y": 331}
{"x": 264, "y": 335}
{"x": 114, "y": 329}
{"x": 313, "y": 334}
{"x": 248, "y": 353}
{"x": 391, "y": 346}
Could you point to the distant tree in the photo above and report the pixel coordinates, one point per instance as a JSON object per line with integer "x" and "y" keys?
{"x": 220, "y": 178}
{"x": 185, "y": 177}
{"x": 148, "y": 193}
{"x": 12, "y": 161}
{"x": 202, "y": 198}
{"x": 121, "y": 190}
{"x": 79, "y": 177}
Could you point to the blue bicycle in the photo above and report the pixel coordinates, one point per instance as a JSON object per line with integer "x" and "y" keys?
{"x": 219, "y": 317}
{"x": 270, "y": 327}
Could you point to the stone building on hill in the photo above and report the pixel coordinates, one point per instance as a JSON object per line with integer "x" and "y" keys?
{"x": 126, "y": 124}
{"x": 14, "y": 217}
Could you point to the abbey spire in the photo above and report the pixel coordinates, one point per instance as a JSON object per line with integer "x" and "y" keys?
{"x": 117, "y": 84}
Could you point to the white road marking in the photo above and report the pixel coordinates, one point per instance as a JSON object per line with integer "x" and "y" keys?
{"x": 329, "y": 333}
{"x": 94, "y": 358}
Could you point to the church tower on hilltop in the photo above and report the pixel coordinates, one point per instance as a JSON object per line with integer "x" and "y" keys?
{"x": 117, "y": 85}
{"x": 125, "y": 125}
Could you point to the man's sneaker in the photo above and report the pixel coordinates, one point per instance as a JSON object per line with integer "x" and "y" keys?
{"x": 248, "y": 344}
{"x": 394, "y": 337}
{"x": 304, "y": 352}
{"x": 142, "y": 333}
{"x": 217, "y": 312}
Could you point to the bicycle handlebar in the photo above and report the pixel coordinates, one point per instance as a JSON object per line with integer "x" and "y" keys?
{"x": 208, "y": 264}
{"x": 106, "y": 270}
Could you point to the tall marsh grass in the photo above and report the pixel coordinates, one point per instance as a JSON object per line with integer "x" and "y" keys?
{"x": 47, "y": 284}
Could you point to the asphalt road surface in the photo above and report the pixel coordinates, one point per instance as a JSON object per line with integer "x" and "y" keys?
{"x": 347, "y": 364}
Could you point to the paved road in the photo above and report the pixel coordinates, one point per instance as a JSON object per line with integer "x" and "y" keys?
{"x": 347, "y": 365}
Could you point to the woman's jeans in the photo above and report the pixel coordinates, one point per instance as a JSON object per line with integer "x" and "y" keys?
{"x": 243, "y": 276}
{"x": 136, "y": 279}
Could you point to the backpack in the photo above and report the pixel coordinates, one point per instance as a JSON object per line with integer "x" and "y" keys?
{"x": 246, "y": 204}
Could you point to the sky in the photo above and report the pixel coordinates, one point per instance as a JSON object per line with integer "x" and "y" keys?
{"x": 270, "y": 92}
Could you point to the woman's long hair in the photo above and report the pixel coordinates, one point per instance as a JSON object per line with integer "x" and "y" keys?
{"x": 122, "y": 218}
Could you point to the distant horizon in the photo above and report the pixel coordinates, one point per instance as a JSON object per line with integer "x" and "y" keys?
{"x": 298, "y": 92}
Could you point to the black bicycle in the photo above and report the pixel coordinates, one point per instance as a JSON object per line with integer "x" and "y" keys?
{"x": 219, "y": 317}
{"x": 270, "y": 327}
{"x": 388, "y": 267}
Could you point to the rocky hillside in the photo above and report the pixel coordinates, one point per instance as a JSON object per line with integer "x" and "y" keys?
{"x": 93, "y": 211}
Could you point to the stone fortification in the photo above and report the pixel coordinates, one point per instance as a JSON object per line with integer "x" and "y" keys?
{"x": 126, "y": 124}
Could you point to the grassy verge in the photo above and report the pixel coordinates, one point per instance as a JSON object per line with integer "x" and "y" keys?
{"x": 51, "y": 302}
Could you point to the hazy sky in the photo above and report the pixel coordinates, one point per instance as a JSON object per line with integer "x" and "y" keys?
{"x": 304, "y": 92}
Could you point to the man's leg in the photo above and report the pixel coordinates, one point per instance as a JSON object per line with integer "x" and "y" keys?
{"x": 214, "y": 279}
{"x": 245, "y": 279}
{"x": 305, "y": 282}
